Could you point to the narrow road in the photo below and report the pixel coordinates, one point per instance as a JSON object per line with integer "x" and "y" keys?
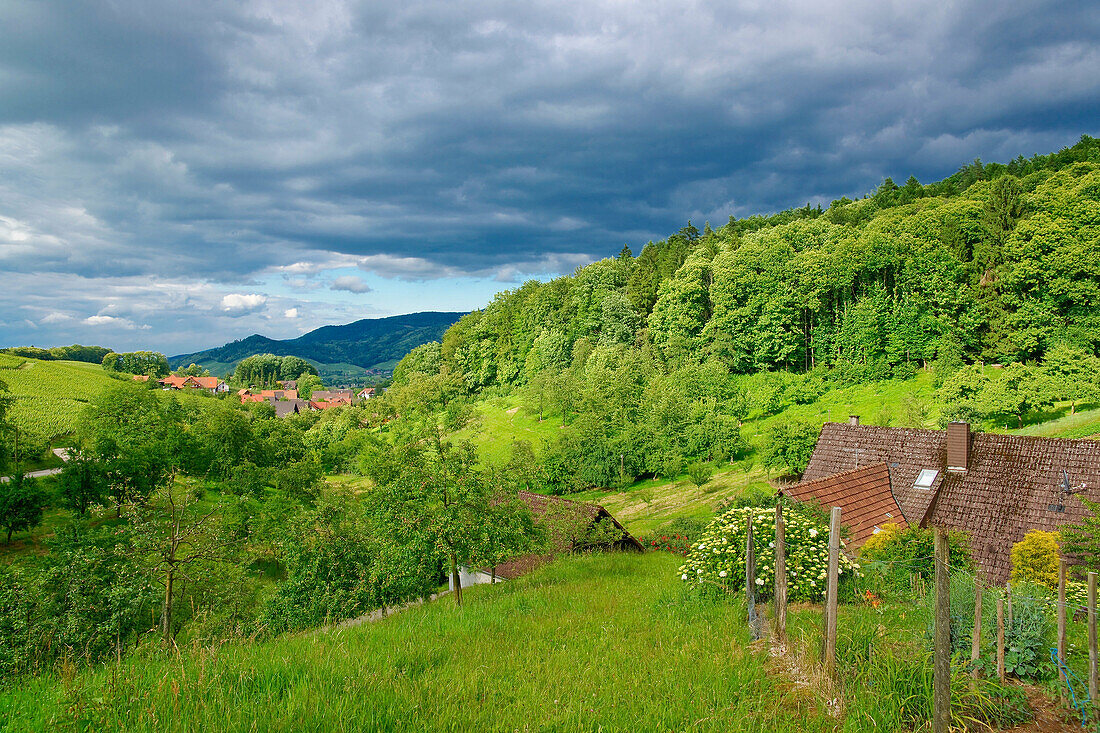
{"x": 59, "y": 452}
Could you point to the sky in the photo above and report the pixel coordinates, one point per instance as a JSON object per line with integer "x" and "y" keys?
{"x": 174, "y": 175}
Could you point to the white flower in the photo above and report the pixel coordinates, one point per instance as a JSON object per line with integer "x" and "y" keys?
{"x": 722, "y": 574}
{"x": 760, "y": 581}
{"x": 813, "y": 532}
{"x": 684, "y": 576}
{"x": 699, "y": 571}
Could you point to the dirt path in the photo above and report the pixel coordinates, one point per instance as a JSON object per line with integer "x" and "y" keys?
{"x": 1050, "y": 716}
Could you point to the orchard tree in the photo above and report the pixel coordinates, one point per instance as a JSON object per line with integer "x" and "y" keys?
{"x": 175, "y": 533}
{"x": 83, "y": 483}
{"x": 22, "y": 503}
{"x": 1074, "y": 374}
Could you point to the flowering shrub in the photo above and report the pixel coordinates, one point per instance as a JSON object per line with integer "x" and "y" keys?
{"x": 677, "y": 544}
{"x": 719, "y": 555}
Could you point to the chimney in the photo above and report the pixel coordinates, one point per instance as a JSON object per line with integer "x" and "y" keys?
{"x": 853, "y": 419}
{"x": 958, "y": 446}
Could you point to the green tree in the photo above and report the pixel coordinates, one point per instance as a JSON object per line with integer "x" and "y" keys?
{"x": 790, "y": 445}
{"x": 82, "y": 483}
{"x": 22, "y": 503}
{"x": 307, "y": 385}
{"x": 1073, "y": 373}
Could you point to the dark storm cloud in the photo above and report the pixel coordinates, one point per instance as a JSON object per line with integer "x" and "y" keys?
{"x": 224, "y": 141}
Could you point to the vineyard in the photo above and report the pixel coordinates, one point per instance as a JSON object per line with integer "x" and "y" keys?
{"x": 49, "y": 395}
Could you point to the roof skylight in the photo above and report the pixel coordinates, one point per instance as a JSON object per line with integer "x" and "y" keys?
{"x": 926, "y": 478}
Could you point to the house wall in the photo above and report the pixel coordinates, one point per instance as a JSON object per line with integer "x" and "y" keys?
{"x": 470, "y": 577}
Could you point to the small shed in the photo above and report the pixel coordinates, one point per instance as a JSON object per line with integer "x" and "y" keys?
{"x": 568, "y": 523}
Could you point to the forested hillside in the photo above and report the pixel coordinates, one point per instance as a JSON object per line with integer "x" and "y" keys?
{"x": 640, "y": 356}
{"x": 370, "y": 343}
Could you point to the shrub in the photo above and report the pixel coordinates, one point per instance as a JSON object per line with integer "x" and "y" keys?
{"x": 910, "y": 550}
{"x": 1035, "y": 558}
{"x": 719, "y": 556}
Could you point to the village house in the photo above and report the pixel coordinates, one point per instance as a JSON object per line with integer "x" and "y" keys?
{"x": 329, "y": 395}
{"x": 994, "y": 487}
{"x": 366, "y": 393}
{"x": 567, "y": 523}
{"x": 213, "y": 385}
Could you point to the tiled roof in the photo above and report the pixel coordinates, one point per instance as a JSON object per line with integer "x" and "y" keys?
{"x": 863, "y": 495}
{"x": 907, "y": 451}
{"x": 322, "y": 395}
{"x": 1013, "y": 484}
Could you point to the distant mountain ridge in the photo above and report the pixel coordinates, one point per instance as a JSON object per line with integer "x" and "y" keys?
{"x": 370, "y": 343}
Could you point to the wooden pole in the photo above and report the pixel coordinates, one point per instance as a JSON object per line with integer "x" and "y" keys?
{"x": 1001, "y": 639}
{"x": 831, "y": 593}
{"x": 1062, "y": 610}
{"x": 780, "y": 577}
{"x": 1092, "y": 638}
{"x": 941, "y": 661}
{"x": 976, "y": 636}
{"x": 1008, "y": 594}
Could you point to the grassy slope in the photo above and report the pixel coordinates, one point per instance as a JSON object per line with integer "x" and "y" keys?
{"x": 593, "y": 643}
{"x": 49, "y": 395}
{"x": 648, "y": 505}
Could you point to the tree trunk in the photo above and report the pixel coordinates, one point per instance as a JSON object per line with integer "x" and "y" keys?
{"x": 166, "y": 613}
{"x": 456, "y": 580}
{"x": 10, "y": 530}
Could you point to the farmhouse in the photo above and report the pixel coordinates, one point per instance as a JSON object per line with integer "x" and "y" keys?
{"x": 995, "y": 487}
{"x": 212, "y": 385}
{"x": 366, "y": 393}
{"x": 569, "y": 525}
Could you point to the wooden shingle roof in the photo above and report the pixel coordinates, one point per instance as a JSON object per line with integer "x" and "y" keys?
{"x": 863, "y": 495}
{"x": 1013, "y": 484}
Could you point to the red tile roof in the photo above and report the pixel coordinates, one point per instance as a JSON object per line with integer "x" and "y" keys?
{"x": 1012, "y": 484}
{"x": 863, "y": 495}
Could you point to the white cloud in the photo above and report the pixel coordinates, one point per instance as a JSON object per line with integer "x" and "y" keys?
{"x": 239, "y": 304}
{"x": 56, "y": 317}
{"x": 290, "y": 313}
{"x": 115, "y": 321}
{"x": 350, "y": 283}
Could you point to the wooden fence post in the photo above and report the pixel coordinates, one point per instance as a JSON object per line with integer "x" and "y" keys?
{"x": 1062, "y": 610}
{"x": 1092, "y": 638}
{"x": 941, "y": 661}
{"x": 780, "y": 577}
{"x": 1001, "y": 639}
{"x": 831, "y": 593}
{"x": 750, "y": 578}
{"x": 1008, "y": 595}
{"x": 976, "y": 636}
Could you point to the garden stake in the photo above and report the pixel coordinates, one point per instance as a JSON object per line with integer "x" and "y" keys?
{"x": 976, "y": 636}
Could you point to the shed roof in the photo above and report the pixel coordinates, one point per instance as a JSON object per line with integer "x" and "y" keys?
{"x": 863, "y": 495}
{"x": 577, "y": 514}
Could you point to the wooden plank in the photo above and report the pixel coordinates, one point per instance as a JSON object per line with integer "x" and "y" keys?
{"x": 831, "y": 594}
{"x": 780, "y": 576}
{"x": 941, "y": 661}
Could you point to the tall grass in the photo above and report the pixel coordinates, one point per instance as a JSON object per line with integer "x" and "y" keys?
{"x": 606, "y": 643}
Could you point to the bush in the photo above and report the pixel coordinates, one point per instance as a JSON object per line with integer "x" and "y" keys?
{"x": 719, "y": 557}
{"x": 910, "y": 550}
{"x": 1035, "y": 558}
